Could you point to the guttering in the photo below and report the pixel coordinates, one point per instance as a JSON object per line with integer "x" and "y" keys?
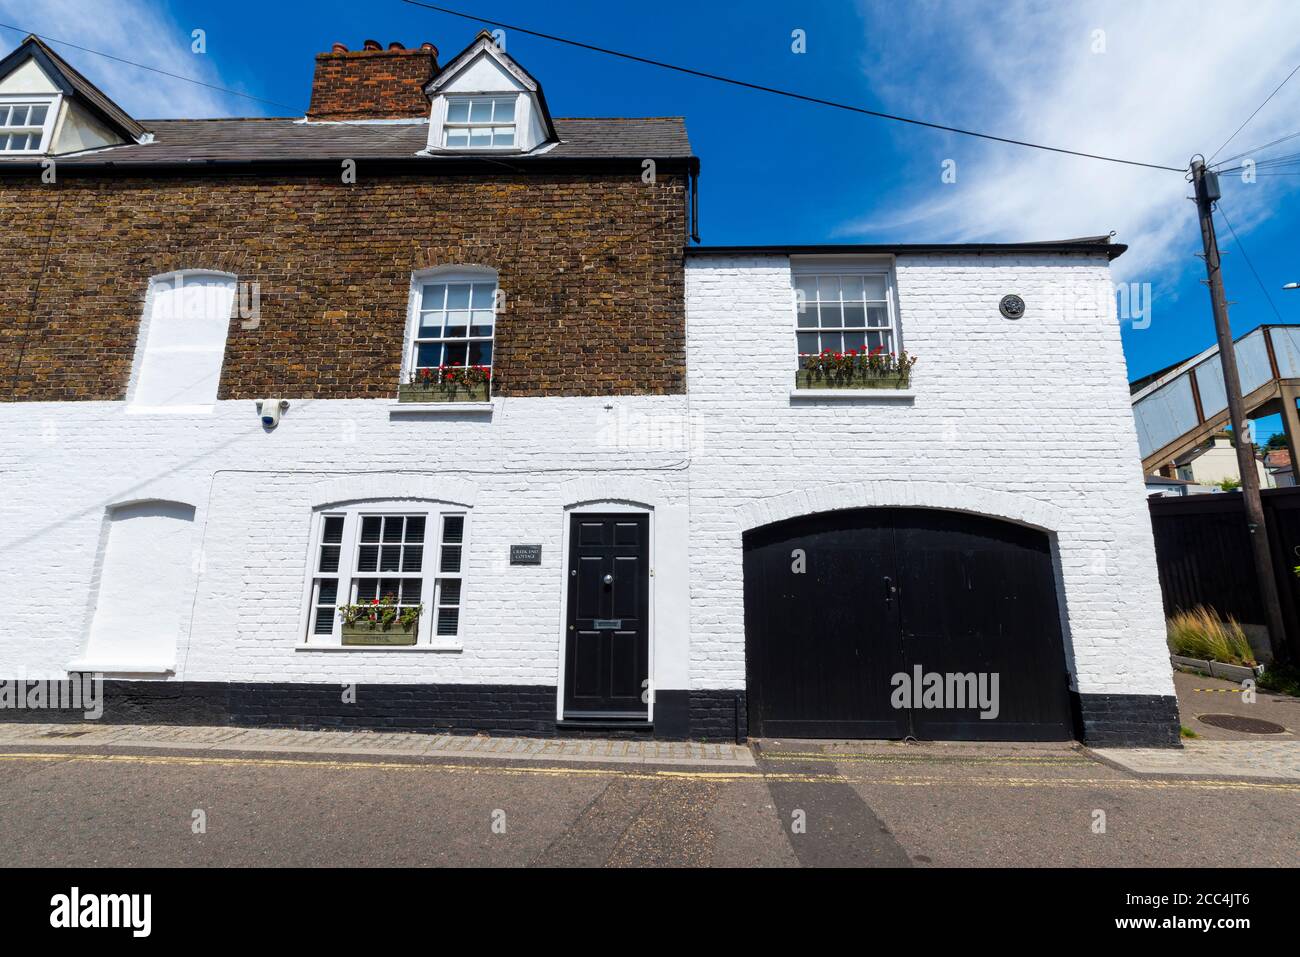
{"x": 1111, "y": 250}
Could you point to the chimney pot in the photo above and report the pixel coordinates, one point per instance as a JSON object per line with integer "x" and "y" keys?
{"x": 396, "y": 45}
{"x": 347, "y": 87}
{"x": 339, "y": 48}
{"x": 371, "y": 45}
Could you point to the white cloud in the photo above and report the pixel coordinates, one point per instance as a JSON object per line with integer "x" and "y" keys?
{"x": 136, "y": 30}
{"x": 1174, "y": 79}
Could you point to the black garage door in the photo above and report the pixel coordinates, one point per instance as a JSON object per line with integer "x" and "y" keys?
{"x": 838, "y": 605}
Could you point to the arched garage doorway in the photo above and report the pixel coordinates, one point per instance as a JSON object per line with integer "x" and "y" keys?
{"x": 840, "y": 603}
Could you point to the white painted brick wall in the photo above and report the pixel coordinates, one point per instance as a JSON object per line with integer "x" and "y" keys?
{"x": 1028, "y": 419}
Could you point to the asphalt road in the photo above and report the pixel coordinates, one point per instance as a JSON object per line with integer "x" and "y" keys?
{"x": 805, "y": 804}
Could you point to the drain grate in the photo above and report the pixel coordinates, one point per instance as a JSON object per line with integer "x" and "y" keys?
{"x": 1235, "y": 722}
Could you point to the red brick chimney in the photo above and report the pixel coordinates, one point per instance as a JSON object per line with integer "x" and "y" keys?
{"x": 372, "y": 83}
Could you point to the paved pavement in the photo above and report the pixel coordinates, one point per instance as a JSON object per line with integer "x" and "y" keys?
{"x": 299, "y": 798}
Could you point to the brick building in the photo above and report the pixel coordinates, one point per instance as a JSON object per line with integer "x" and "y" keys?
{"x": 382, "y": 417}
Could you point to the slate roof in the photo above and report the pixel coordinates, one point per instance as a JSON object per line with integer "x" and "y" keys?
{"x": 182, "y": 142}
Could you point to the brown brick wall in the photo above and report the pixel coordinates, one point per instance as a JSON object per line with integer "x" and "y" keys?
{"x": 371, "y": 84}
{"x": 590, "y": 265}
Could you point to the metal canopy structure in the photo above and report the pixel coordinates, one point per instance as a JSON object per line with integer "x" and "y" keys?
{"x": 1186, "y": 405}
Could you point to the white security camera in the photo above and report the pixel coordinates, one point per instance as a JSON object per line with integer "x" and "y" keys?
{"x": 270, "y": 410}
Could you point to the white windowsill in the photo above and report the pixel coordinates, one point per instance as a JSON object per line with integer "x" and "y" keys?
{"x": 120, "y": 667}
{"x": 437, "y": 646}
{"x": 897, "y": 394}
{"x": 437, "y": 408}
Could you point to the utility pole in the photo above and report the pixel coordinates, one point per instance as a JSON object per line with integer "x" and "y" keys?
{"x": 1206, "y": 183}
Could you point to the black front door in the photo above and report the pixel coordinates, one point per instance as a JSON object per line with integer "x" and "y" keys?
{"x": 840, "y": 606}
{"x": 607, "y": 647}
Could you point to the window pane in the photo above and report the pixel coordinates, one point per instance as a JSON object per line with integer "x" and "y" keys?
{"x": 427, "y": 355}
{"x": 413, "y": 558}
{"x": 482, "y": 294}
{"x": 481, "y": 137}
{"x": 481, "y": 323}
{"x": 807, "y": 343}
{"x": 454, "y": 354}
{"x": 324, "y": 623}
{"x": 366, "y": 589}
{"x": 430, "y": 324}
{"x": 19, "y": 115}
{"x": 855, "y": 340}
{"x": 480, "y": 353}
{"x": 505, "y": 110}
{"x": 808, "y": 286}
{"x": 453, "y": 529}
{"x": 450, "y": 594}
{"x": 828, "y": 288}
{"x": 393, "y": 528}
{"x": 328, "y": 591}
{"x": 329, "y": 559}
{"x": 410, "y": 594}
{"x": 4, "y": 115}
{"x": 877, "y": 316}
{"x": 415, "y": 528}
{"x": 503, "y": 136}
{"x": 833, "y": 341}
{"x": 458, "y": 295}
{"x": 450, "y": 559}
{"x": 390, "y": 558}
{"x": 831, "y": 317}
{"x": 448, "y": 621}
{"x": 851, "y": 287}
{"x": 875, "y": 286}
{"x": 433, "y": 296}
{"x": 855, "y": 315}
{"x": 333, "y": 529}
{"x": 457, "y": 324}
{"x": 480, "y": 111}
{"x": 37, "y": 116}
{"x": 456, "y": 137}
{"x": 370, "y": 526}
{"x": 457, "y": 110}
{"x": 368, "y": 558}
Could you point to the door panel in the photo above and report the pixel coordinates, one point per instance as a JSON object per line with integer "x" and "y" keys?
{"x": 886, "y": 591}
{"x": 607, "y": 648}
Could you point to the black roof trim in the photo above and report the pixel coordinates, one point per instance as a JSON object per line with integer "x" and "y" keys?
{"x": 72, "y": 84}
{"x": 1101, "y": 244}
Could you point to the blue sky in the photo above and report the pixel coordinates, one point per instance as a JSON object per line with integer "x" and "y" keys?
{"x": 1159, "y": 82}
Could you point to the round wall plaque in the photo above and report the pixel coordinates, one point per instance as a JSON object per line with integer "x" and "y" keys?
{"x": 1013, "y": 307}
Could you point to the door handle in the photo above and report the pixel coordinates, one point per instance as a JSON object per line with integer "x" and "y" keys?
{"x": 608, "y": 579}
{"x": 889, "y": 588}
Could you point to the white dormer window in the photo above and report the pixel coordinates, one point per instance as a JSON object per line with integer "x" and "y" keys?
{"x": 26, "y": 124}
{"x": 480, "y": 122}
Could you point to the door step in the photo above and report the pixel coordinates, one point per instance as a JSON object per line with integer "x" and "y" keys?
{"x": 604, "y": 726}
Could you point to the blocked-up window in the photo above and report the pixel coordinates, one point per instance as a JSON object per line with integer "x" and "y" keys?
{"x": 145, "y": 581}
{"x": 182, "y": 342}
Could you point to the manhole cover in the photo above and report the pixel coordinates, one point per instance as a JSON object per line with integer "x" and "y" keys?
{"x": 1235, "y": 722}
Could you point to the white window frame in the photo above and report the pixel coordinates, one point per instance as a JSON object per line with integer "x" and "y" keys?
{"x": 449, "y": 125}
{"x": 865, "y": 270}
{"x": 446, "y": 275}
{"x": 431, "y": 574}
{"x": 50, "y": 102}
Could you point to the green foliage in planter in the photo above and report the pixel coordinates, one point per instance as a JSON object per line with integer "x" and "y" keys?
{"x": 1201, "y": 633}
{"x": 855, "y": 369}
{"x": 447, "y": 384}
{"x": 380, "y": 622}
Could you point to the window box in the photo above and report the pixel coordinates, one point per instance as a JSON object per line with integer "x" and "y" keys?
{"x": 375, "y": 633}
{"x": 475, "y": 392}
{"x": 807, "y": 379}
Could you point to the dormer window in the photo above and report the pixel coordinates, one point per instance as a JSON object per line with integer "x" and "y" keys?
{"x": 480, "y": 122}
{"x": 25, "y": 125}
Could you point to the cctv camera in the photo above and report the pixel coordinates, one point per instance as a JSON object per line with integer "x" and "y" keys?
{"x": 270, "y": 410}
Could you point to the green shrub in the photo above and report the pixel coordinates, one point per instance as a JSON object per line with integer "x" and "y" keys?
{"x": 1284, "y": 679}
{"x": 1201, "y": 633}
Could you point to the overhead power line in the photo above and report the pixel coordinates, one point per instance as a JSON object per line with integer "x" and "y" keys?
{"x": 145, "y": 66}
{"x": 1256, "y": 149}
{"x": 1252, "y": 116}
{"x": 787, "y": 93}
{"x": 1246, "y": 256}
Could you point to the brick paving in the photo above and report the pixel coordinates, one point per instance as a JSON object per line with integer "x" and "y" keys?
{"x": 197, "y": 738}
